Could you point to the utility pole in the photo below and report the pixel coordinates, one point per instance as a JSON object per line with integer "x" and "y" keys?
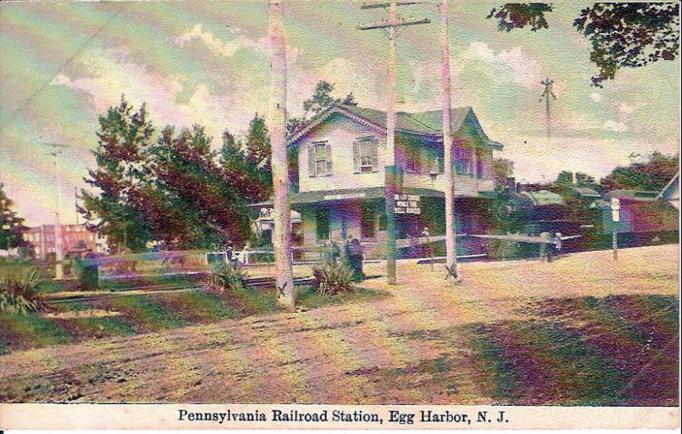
{"x": 393, "y": 177}
{"x": 58, "y": 248}
{"x": 546, "y": 94}
{"x": 286, "y": 295}
{"x": 450, "y": 227}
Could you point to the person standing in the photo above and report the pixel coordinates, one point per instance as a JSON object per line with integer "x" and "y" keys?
{"x": 355, "y": 258}
{"x": 335, "y": 252}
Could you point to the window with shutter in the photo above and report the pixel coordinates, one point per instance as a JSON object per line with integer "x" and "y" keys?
{"x": 365, "y": 155}
{"x": 319, "y": 159}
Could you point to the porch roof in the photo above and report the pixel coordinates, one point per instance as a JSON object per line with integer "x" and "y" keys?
{"x": 336, "y": 195}
{"x": 339, "y": 195}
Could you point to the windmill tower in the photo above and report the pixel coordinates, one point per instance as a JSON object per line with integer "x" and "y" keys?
{"x": 549, "y": 91}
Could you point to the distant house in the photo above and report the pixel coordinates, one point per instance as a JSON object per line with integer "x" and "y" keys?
{"x": 641, "y": 212}
{"x": 75, "y": 238}
{"x": 341, "y": 158}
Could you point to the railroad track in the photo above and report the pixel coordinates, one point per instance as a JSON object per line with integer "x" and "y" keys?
{"x": 256, "y": 282}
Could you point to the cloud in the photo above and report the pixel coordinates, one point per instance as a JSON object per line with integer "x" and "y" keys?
{"x": 106, "y": 74}
{"x": 347, "y": 77}
{"x": 625, "y": 109}
{"x": 596, "y": 97}
{"x": 513, "y": 65}
{"x": 618, "y": 127}
{"x": 217, "y": 46}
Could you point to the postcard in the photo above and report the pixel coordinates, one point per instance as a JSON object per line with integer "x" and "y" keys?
{"x": 379, "y": 214}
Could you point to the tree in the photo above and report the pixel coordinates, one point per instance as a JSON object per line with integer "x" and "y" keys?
{"x": 502, "y": 169}
{"x": 622, "y": 35}
{"x": 177, "y": 190}
{"x": 254, "y": 182}
{"x": 123, "y": 137}
{"x": 650, "y": 175}
{"x": 258, "y": 149}
{"x": 321, "y": 99}
{"x": 12, "y": 226}
{"x": 201, "y": 206}
{"x": 565, "y": 179}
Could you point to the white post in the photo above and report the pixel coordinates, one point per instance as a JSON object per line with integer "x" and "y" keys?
{"x": 450, "y": 229}
{"x": 43, "y": 254}
{"x": 280, "y": 176}
{"x": 59, "y": 254}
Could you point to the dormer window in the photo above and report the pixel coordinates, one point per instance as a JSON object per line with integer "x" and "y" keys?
{"x": 365, "y": 155}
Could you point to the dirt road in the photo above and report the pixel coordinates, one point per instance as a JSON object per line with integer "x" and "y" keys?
{"x": 580, "y": 331}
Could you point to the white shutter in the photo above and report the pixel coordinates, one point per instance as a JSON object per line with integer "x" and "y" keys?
{"x": 311, "y": 160}
{"x": 328, "y": 148}
{"x": 356, "y": 157}
{"x": 375, "y": 156}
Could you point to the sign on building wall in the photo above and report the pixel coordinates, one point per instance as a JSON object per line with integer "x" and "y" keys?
{"x": 407, "y": 204}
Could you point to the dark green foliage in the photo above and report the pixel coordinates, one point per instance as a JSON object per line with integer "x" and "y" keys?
{"x": 19, "y": 290}
{"x": 622, "y": 35}
{"x": 201, "y": 206}
{"x": 12, "y": 226}
{"x": 176, "y": 190}
{"x": 123, "y": 137}
{"x": 502, "y": 169}
{"x": 333, "y": 278}
{"x": 145, "y": 314}
{"x": 519, "y": 15}
{"x": 321, "y": 99}
{"x": 650, "y": 175}
{"x": 629, "y": 35}
{"x": 227, "y": 278}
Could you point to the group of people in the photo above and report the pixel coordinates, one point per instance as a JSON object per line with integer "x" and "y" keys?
{"x": 352, "y": 255}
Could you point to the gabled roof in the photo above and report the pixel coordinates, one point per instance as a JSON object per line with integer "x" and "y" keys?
{"x": 542, "y": 198}
{"x": 586, "y": 192}
{"x": 632, "y": 195}
{"x": 424, "y": 123}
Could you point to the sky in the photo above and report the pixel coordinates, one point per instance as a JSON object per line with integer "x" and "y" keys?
{"x": 62, "y": 64}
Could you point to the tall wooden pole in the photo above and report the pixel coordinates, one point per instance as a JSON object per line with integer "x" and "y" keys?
{"x": 393, "y": 176}
{"x": 450, "y": 227}
{"x": 280, "y": 175}
{"x": 546, "y": 94}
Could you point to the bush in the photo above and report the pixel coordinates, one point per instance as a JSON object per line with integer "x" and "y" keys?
{"x": 19, "y": 291}
{"x": 333, "y": 278}
{"x": 226, "y": 277}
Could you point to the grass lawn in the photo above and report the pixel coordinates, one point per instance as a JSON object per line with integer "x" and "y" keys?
{"x": 128, "y": 314}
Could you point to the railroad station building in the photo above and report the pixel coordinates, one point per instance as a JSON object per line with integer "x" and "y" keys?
{"x": 339, "y": 176}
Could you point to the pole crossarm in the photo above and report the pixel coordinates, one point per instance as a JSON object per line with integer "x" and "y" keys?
{"x": 400, "y": 23}
{"x": 386, "y": 5}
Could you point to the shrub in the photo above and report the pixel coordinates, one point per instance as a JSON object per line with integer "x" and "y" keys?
{"x": 19, "y": 291}
{"x": 333, "y": 278}
{"x": 226, "y": 277}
